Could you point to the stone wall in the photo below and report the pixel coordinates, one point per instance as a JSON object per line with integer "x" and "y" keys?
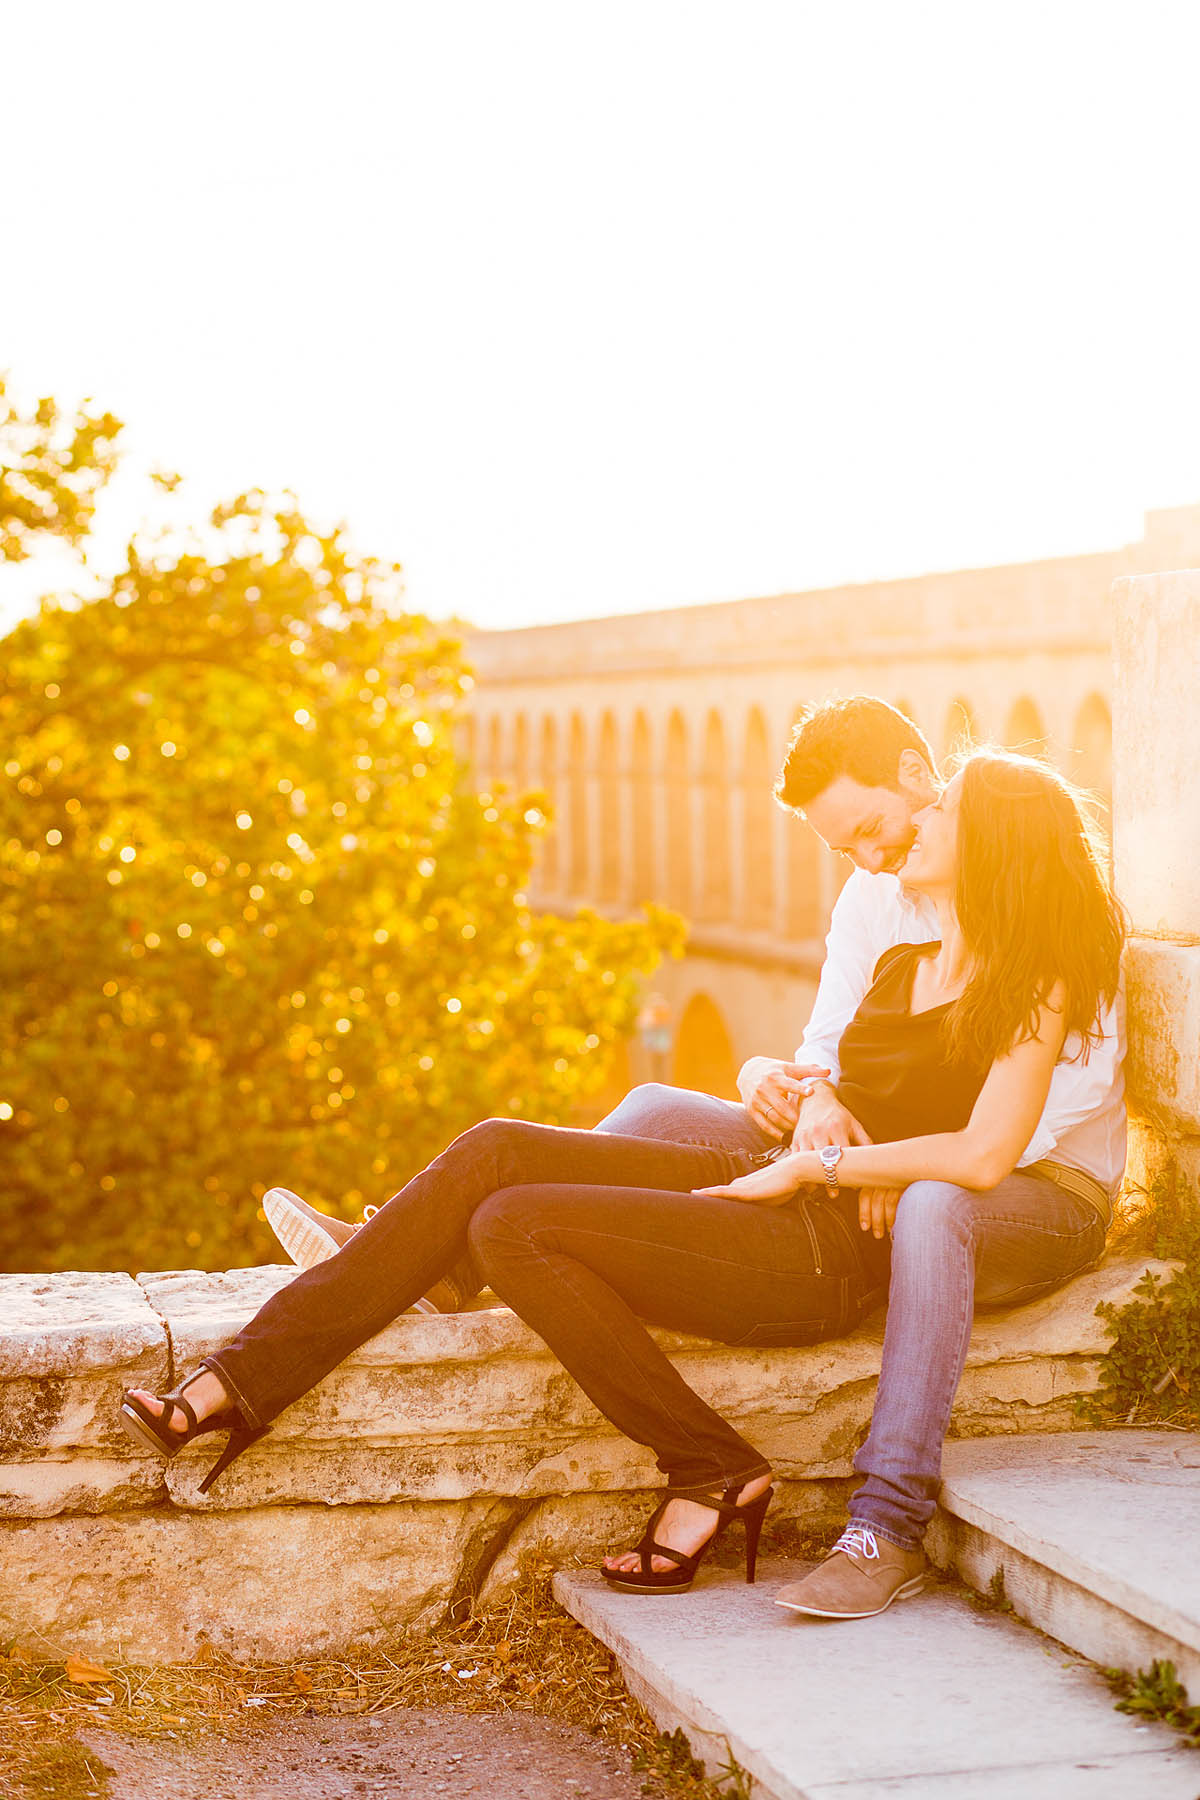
{"x": 415, "y": 1475}
{"x": 1156, "y": 797}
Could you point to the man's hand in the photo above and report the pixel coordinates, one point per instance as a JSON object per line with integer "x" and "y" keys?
{"x": 877, "y": 1209}
{"x": 773, "y": 1092}
{"x": 824, "y": 1120}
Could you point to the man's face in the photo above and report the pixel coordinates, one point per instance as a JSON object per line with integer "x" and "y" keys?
{"x": 873, "y": 826}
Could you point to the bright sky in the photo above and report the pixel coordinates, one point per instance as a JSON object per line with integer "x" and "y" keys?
{"x": 580, "y": 309}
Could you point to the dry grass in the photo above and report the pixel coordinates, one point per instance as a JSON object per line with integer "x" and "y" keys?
{"x": 524, "y": 1654}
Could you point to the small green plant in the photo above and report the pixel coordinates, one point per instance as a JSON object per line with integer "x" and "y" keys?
{"x": 741, "y": 1782}
{"x": 1151, "y": 1372}
{"x": 996, "y": 1599}
{"x": 669, "y": 1761}
{"x": 1157, "y": 1693}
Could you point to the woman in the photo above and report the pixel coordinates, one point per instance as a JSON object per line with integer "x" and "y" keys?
{"x": 589, "y": 1236}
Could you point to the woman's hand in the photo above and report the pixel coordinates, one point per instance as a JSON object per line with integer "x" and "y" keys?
{"x": 877, "y": 1209}
{"x": 768, "y": 1186}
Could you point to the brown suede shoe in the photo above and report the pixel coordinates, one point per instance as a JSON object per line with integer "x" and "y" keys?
{"x": 861, "y": 1576}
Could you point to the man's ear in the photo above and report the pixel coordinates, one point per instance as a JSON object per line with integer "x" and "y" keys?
{"x": 916, "y": 778}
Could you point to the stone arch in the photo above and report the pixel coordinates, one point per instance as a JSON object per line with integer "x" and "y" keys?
{"x": 758, "y": 834}
{"x": 704, "y": 1058}
{"x": 1025, "y": 730}
{"x": 641, "y": 775}
{"x": 608, "y": 883}
{"x": 577, "y": 807}
{"x": 1092, "y": 743}
{"x": 714, "y": 871}
{"x": 960, "y": 730}
{"x": 678, "y": 812}
{"x": 550, "y": 860}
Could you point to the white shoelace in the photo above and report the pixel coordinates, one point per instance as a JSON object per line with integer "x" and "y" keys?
{"x": 859, "y": 1540}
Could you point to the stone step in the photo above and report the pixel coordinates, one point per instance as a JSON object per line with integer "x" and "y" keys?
{"x": 932, "y": 1700}
{"x": 1094, "y": 1534}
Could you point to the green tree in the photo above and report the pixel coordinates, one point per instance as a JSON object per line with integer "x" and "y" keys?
{"x": 53, "y": 465}
{"x": 255, "y": 924}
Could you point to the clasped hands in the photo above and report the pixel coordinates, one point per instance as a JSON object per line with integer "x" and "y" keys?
{"x": 799, "y": 1096}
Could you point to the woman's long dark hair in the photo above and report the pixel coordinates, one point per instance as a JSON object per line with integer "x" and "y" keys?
{"x": 1034, "y": 903}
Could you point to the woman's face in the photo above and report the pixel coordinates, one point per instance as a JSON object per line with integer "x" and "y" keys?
{"x": 932, "y": 862}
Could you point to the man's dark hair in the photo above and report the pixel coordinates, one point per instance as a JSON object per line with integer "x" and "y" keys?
{"x": 861, "y": 737}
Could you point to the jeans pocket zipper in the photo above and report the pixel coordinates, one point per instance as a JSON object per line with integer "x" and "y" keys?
{"x": 814, "y": 1241}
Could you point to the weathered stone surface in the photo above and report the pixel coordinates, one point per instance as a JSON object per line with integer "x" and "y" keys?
{"x": 1156, "y": 772}
{"x": 1086, "y": 1530}
{"x": 929, "y": 1699}
{"x": 1164, "y": 1032}
{"x": 65, "y": 1325}
{"x": 449, "y": 1444}
{"x": 273, "y": 1582}
{"x": 69, "y": 1344}
{"x": 445, "y": 1408}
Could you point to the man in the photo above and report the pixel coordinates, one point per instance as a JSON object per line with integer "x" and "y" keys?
{"x": 858, "y": 771}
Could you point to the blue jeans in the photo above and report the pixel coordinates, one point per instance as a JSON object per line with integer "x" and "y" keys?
{"x": 681, "y": 1116}
{"x": 951, "y": 1250}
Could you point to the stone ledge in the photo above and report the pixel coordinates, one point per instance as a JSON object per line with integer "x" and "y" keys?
{"x": 460, "y": 1433}
{"x": 447, "y": 1408}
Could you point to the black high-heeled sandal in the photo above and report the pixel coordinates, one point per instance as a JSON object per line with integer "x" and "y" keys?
{"x": 153, "y": 1431}
{"x": 648, "y": 1580}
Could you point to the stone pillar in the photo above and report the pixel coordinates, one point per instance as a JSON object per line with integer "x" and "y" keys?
{"x": 1156, "y": 831}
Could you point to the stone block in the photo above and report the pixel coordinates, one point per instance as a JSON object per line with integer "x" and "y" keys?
{"x": 1164, "y": 1032}
{"x": 931, "y": 1700}
{"x": 1085, "y": 1530}
{"x": 1156, "y": 800}
{"x": 69, "y": 1345}
{"x": 278, "y": 1582}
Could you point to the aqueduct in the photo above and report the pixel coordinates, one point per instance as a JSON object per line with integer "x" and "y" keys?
{"x": 656, "y": 738}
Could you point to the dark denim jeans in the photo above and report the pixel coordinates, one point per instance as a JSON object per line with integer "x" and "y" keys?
{"x": 589, "y": 1236}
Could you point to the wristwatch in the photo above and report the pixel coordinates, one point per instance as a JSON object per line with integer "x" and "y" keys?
{"x": 831, "y": 1155}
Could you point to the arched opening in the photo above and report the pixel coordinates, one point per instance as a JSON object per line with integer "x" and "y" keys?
{"x": 1025, "y": 731}
{"x": 1093, "y": 751}
{"x": 715, "y": 848}
{"x": 608, "y": 779}
{"x": 641, "y": 774}
{"x": 960, "y": 731}
{"x": 679, "y": 833}
{"x": 549, "y": 862}
{"x": 704, "y": 1058}
{"x": 577, "y": 809}
{"x": 758, "y": 839}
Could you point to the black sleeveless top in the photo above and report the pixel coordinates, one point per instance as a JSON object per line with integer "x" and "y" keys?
{"x": 895, "y": 1078}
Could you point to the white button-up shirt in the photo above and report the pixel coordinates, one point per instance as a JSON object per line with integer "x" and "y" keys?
{"x": 1083, "y": 1124}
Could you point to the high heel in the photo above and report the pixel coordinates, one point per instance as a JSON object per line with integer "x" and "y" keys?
{"x": 153, "y": 1430}
{"x": 648, "y": 1580}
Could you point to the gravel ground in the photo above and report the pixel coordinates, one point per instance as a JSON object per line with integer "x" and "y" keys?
{"x": 396, "y": 1755}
